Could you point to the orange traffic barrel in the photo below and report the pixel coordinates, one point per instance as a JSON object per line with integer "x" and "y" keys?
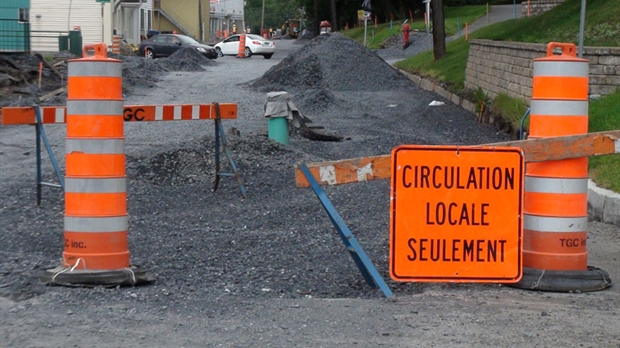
{"x": 555, "y": 224}
{"x": 116, "y": 44}
{"x": 241, "y": 51}
{"x": 95, "y": 221}
{"x": 556, "y": 192}
{"x": 95, "y": 193}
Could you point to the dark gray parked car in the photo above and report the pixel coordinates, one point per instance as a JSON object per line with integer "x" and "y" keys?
{"x": 164, "y": 45}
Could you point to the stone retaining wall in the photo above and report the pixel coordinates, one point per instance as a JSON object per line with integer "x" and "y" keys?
{"x": 539, "y": 6}
{"x": 507, "y": 67}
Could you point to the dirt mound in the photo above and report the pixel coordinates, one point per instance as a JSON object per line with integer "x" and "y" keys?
{"x": 196, "y": 164}
{"x": 335, "y": 62}
{"x": 140, "y": 72}
{"x": 185, "y": 59}
{"x": 19, "y": 77}
{"x": 315, "y": 99}
{"x": 19, "y": 74}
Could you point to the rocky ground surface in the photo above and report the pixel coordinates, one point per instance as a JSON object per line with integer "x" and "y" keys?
{"x": 269, "y": 269}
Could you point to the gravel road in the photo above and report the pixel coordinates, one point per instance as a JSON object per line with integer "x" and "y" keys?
{"x": 269, "y": 270}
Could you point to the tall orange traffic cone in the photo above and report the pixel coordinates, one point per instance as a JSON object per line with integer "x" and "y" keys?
{"x": 555, "y": 228}
{"x": 241, "y": 51}
{"x": 96, "y": 221}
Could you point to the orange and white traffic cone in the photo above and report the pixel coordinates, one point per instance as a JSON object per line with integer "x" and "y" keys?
{"x": 555, "y": 229}
{"x": 241, "y": 51}
{"x": 96, "y": 221}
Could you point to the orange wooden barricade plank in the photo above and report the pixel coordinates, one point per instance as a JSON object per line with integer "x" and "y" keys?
{"x": 131, "y": 113}
{"x": 536, "y": 150}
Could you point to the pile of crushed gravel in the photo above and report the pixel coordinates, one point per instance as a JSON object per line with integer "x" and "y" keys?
{"x": 335, "y": 62}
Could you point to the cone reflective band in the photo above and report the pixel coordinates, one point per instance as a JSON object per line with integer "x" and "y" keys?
{"x": 555, "y": 203}
{"x": 95, "y": 194}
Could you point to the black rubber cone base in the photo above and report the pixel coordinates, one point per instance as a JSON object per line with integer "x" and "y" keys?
{"x": 592, "y": 279}
{"x": 130, "y": 276}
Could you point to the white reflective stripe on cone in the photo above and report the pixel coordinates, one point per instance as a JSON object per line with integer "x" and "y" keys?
{"x": 96, "y": 224}
{"x": 95, "y": 107}
{"x": 555, "y": 185}
{"x": 102, "y": 147}
{"x": 555, "y": 224}
{"x": 559, "y": 107}
{"x": 101, "y": 185}
{"x": 560, "y": 69}
{"x": 95, "y": 69}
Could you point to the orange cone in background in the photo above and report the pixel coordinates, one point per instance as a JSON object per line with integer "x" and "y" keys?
{"x": 116, "y": 44}
{"x": 241, "y": 52}
{"x": 555, "y": 229}
{"x": 96, "y": 221}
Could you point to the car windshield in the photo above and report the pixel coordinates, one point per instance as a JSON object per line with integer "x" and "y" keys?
{"x": 255, "y": 37}
{"x": 187, "y": 39}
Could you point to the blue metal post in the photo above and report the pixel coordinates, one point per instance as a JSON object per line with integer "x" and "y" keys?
{"x": 41, "y": 135}
{"x": 219, "y": 133}
{"x": 514, "y": 4}
{"x": 38, "y": 131}
{"x": 368, "y": 270}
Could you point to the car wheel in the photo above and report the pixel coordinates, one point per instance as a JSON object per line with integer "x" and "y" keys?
{"x": 148, "y": 53}
{"x": 268, "y": 56}
{"x": 219, "y": 52}
{"x": 247, "y": 52}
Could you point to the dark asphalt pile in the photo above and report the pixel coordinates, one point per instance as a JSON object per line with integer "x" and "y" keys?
{"x": 335, "y": 62}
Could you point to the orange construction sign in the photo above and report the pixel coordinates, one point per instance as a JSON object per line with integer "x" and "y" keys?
{"x": 456, "y": 214}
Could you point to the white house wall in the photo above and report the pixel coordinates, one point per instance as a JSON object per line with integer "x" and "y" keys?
{"x": 128, "y": 17}
{"x": 51, "y": 18}
{"x": 225, "y": 13}
{"x": 231, "y": 8}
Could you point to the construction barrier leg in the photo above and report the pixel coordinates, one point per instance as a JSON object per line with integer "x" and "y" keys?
{"x": 555, "y": 224}
{"x": 96, "y": 222}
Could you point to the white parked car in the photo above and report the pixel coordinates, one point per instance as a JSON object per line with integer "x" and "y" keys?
{"x": 254, "y": 45}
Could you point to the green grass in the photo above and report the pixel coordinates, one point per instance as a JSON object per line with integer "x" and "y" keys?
{"x": 511, "y": 109}
{"x": 376, "y": 35}
{"x": 604, "y": 115}
{"x": 559, "y": 25}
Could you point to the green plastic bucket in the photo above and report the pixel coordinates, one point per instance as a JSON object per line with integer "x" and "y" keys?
{"x": 278, "y": 129}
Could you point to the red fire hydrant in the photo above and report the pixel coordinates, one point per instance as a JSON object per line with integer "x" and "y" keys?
{"x": 406, "y": 29}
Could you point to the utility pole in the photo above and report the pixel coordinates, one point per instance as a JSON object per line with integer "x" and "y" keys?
{"x": 334, "y": 16}
{"x": 201, "y": 35}
{"x": 582, "y": 24}
{"x": 262, "y": 19}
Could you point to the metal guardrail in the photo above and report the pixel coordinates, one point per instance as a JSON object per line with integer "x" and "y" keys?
{"x": 47, "y": 38}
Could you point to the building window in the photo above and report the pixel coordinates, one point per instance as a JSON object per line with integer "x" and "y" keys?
{"x": 142, "y": 19}
{"x": 149, "y": 17}
{"x": 24, "y": 15}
